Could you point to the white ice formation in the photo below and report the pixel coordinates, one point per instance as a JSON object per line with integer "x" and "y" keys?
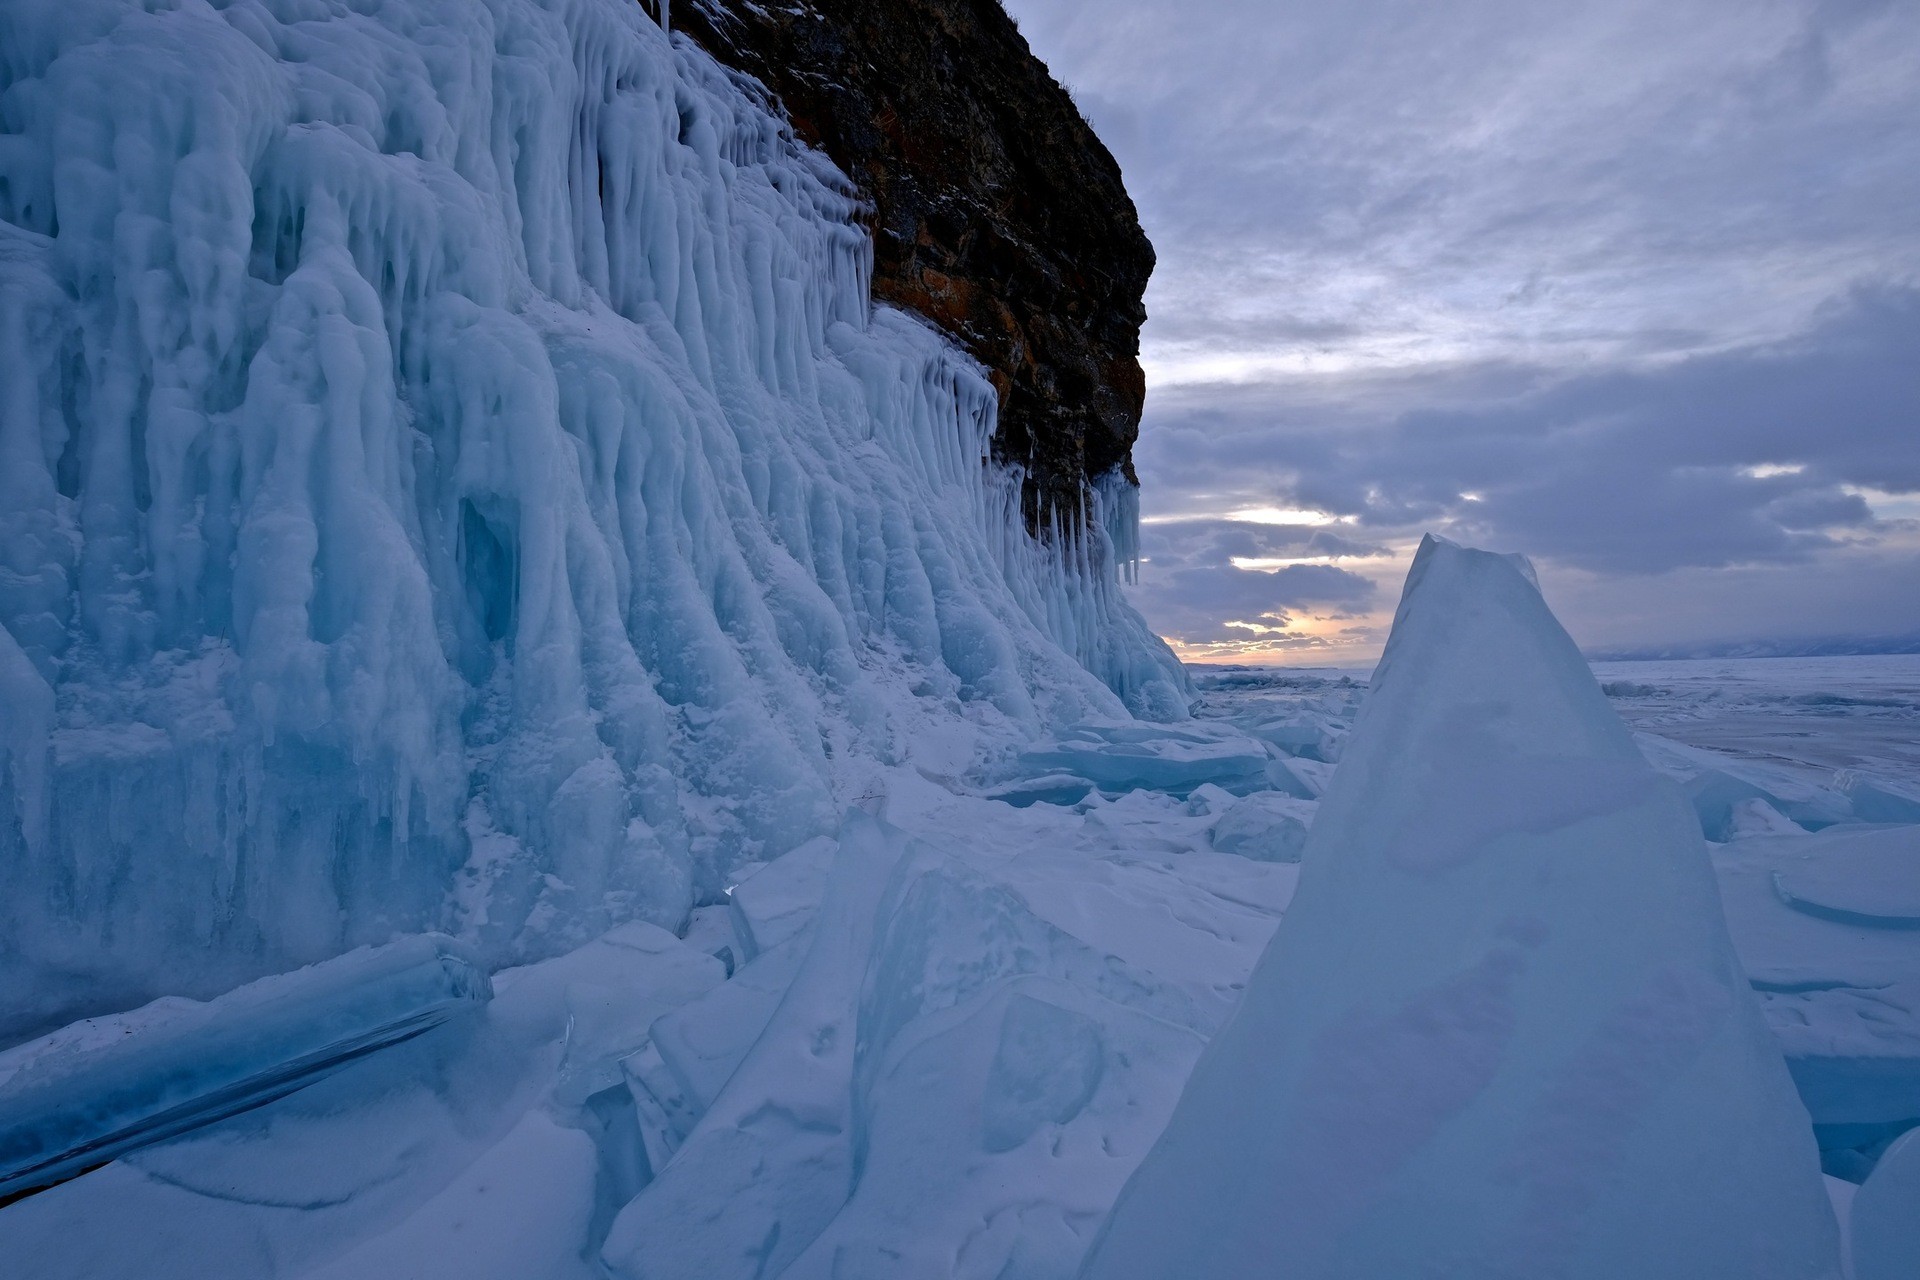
{"x": 1502, "y": 1031}
{"x": 452, "y": 476}
{"x": 1886, "y": 1216}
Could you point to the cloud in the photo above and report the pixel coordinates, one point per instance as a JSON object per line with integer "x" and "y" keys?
{"x": 1210, "y": 603}
{"x": 1385, "y": 179}
{"x": 1752, "y": 455}
{"x": 1761, "y": 464}
{"x": 1632, "y": 288}
{"x": 1201, "y": 542}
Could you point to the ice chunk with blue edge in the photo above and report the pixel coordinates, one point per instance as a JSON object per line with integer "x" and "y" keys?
{"x": 98, "y": 1089}
{"x": 1501, "y": 1030}
{"x": 1886, "y": 1216}
{"x": 1020, "y": 1031}
{"x": 612, "y": 1006}
{"x": 1168, "y": 758}
{"x": 1823, "y": 923}
{"x": 1869, "y": 878}
{"x": 1877, "y": 801}
{"x": 1063, "y": 789}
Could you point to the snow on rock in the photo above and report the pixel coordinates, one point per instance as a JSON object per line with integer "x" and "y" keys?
{"x": 102, "y": 1087}
{"x": 452, "y": 476}
{"x": 1502, "y": 1030}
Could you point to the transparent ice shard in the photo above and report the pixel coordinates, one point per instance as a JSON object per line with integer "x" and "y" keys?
{"x": 90, "y": 1092}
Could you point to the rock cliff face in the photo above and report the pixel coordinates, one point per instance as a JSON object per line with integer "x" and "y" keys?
{"x": 998, "y": 214}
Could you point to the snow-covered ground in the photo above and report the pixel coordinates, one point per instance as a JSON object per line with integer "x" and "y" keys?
{"x": 953, "y": 1065}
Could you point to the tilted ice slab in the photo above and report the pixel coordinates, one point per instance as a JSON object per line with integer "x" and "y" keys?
{"x": 775, "y": 903}
{"x": 103, "y": 1087}
{"x": 1502, "y": 1031}
{"x": 452, "y": 476}
{"x": 1871, "y": 878}
{"x": 1826, "y": 927}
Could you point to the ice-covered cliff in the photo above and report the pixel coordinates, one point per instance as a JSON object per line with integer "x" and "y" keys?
{"x": 997, "y": 212}
{"x": 452, "y": 475}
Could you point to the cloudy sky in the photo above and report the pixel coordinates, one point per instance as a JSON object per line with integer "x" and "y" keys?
{"x": 1632, "y": 287}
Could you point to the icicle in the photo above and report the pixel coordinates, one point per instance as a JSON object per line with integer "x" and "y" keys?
{"x": 504, "y": 450}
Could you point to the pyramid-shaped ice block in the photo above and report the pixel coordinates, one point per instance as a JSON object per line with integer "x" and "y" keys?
{"x": 1502, "y": 1031}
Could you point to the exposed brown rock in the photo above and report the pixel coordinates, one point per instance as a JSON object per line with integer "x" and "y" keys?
{"x": 998, "y": 215}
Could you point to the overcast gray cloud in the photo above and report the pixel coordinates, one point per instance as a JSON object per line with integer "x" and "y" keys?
{"x": 1633, "y": 287}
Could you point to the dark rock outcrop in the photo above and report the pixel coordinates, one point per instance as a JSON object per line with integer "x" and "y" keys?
{"x": 998, "y": 215}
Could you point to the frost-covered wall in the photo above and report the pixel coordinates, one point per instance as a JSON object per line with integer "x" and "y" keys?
{"x": 451, "y": 474}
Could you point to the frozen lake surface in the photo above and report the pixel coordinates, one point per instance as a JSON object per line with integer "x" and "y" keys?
{"x": 1815, "y": 715}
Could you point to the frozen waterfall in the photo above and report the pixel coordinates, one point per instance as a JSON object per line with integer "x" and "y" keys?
{"x": 452, "y": 476}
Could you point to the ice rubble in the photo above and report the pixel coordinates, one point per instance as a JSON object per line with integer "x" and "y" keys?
{"x": 1502, "y": 1030}
{"x": 497, "y": 1124}
{"x": 953, "y": 1066}
{"x": 451, "y": 475}
{"x": 105, "y": 1086}
{"x": 1825, "y": 927}
{"x": 960, "y": 1051}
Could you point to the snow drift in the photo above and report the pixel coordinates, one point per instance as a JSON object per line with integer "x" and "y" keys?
{"x": 1502, "y": 1031}
{"x": 452, "y": 476}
